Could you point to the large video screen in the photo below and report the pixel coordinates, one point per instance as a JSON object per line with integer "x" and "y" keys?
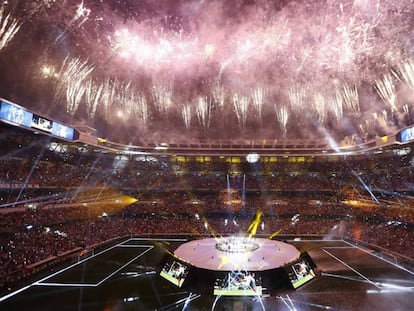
{"x": 300, "y": 273}
{"x": 238, "y": 283}
{"x": 175, "y": 272}
{"x": 15, "y": 114}
{"x": 407, "y": 134}
{"x": 62, "y": 130}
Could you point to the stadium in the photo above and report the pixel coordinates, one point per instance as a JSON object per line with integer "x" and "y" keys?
{"x": 206, "y": 155}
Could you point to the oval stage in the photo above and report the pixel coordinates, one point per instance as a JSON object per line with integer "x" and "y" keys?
{"x": 237, "y": 253}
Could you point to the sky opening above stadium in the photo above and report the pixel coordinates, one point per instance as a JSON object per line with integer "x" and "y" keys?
{"x": 252, "y": 69}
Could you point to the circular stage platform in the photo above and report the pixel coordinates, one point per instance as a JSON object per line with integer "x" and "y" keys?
{"x": 237, "y": 253}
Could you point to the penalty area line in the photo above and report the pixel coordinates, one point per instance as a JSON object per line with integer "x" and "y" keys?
{"x": 150, "y": 247}
{"x": 349, "y": 267}
{"x": 383, "y": 259}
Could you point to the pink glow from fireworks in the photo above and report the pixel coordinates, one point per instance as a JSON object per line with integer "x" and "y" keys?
{"x": 311, "y": 57}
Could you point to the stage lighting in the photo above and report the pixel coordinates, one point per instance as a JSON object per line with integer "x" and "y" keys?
{"x": 252, "y": 157}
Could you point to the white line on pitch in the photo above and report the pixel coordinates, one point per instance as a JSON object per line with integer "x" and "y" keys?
{"x": 383, "y": 259}
{"x": 96, "y": 284}
{"x": 349, "y": 267}
{"x": 314, "y": 240}
{"x": 119, "y": 269}
{"x": 67, "y": 284}
{"x": 153, "y": 239}
{"x": 14, "y": 293}
{"x": 75, "y": 264}
{"x": 45, "y": 278}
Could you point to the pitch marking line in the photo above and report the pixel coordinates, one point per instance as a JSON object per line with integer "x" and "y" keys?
{"x": 149, "y": 247}
{"x": 49, "y": 276}
{"x": 132, "y": 245}
{"x": 383, "y": 259}
{"x": 303, "y": 240}
{"x": 77, "y": 263}
{"x": 153, "y": 239}
{"x": 349, "y": 267}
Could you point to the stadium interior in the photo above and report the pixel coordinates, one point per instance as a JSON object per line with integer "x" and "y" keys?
{"x": 206, "y": 155}
{"x": 63, "y": 198}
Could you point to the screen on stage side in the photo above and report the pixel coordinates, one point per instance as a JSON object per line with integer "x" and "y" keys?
{"x": 300, "y": 273}
{"x": 238, "y": 283}
{"x": 175, "y": 272}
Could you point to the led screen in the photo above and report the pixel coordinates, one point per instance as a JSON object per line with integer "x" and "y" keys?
{"x": 41, "y": 123}
{"x": 174, "y": 272}
{"x": 238, "y": 283}
{"x": 300, "y": 273}
{"x": 62, "y": 130}
{"x": 407, "y": 134}
{"x": 14, "y": 114}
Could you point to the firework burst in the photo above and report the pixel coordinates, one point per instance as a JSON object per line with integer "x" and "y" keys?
{"x": 186, "y": 115}
{"x": 241, "y": 107}
{"x": 406, "y": 74}
{"x": 350, "y": 97}
{"x": 386, "y": 90}
{"x": 144, "y": 60}
{"x": 72, "y": 84}
{"x": 319, "y": 106}
{"x": 282, "y": 117}
{"x": 163, "y": 97}
{"x": 258, "y": 96}
{"x": 204, "y": 112}
{"x": 9, "y": 26}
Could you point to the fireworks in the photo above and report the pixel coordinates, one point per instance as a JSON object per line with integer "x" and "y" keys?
{"x": 218, "y": 94}
{"x": 204, "y": 112}
{"x": 241, "y": 106}
{"x": 142, "y": 108}
{"x": 153, "y": 49}
{"x": 82, "y": 14}
{"x": 9, "y": 26}
{"x": 209, "y": 51}
{"x": 297, "y": 96}
{"x": 151, "y": 62}
{"x": 350, "y": 97}
{"x": 93, "y": 95}
{"x": 282, "y": 116}
{"x": 186, "y": 114}
{"x": 386, "y": 90}
{"x": 406, "y": 74}
{"x": 258, "y": 100}
{"x": 319, "y": 106}
{"x": 162, "y": 94}
{"x": 108, "y": 94}
{"x": 337, "y": 106}
{"x": 74, "y": 74}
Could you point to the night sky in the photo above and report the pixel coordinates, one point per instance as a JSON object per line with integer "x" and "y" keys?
{"x": 171, "y": 70}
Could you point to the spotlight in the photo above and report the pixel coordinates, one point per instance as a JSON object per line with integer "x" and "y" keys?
{"x": 252, "y": 157}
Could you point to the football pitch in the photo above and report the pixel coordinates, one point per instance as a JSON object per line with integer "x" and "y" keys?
{"x": 126, "y": 276}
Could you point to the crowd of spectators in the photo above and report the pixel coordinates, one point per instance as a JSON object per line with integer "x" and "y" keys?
{"x": 53, "y": 202}
{"x": 28, "y": 236}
